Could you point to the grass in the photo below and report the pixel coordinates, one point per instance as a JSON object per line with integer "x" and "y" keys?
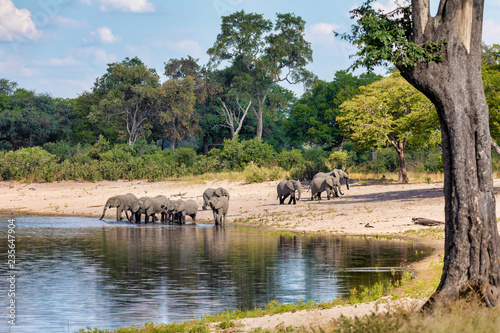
{"x": 436, "y": 232}
{"x": 392, "y": 177}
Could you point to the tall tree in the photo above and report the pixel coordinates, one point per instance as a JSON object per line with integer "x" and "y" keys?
{"x": 28, "y": 119}
{"x": 177, "y": 109}
{"x": 313, "y": 119}
{"x": 130, "y": 93}
{"x": 267, "y": 54}
{"x": 441, "y": 56}
{"x": 390, "y": 111}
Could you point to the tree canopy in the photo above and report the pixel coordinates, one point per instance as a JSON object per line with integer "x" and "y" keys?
{"x": 390, "y": 111}
{"x": 265, "y": 54}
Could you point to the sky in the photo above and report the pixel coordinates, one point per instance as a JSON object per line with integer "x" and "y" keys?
{"x": 60, "y": 47}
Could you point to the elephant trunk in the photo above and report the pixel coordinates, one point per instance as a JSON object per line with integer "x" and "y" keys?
{"x": 299, "y": 192}
{"x": 340, "y": 191}
{"x": 347, "y": 183}
{"x": 103, "y": 212}
{"x": 126, "y": 214}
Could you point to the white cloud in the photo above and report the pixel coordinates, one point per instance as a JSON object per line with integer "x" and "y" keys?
{"x": 67, "y": 22}
{"x": 63, "y": 62}
{"x": 16, "y": 24}
{"x": 188, "y": 47}
{"x": 99, "y": 55}
{"x": 132, "y": 6}
{"x": 13, "y": 65}
{"x": 491, "y": 31}
{"x": 321, "y": 33}
{"x": 106, "y": 36}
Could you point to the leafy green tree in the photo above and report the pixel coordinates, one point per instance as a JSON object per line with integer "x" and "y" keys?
{"x": 491, "y": 82}
{"x": 177, "y": 115}
{"x": 29, "y": 119}
{"x": 440, "y": 55}
{"x": 390, "y": 111}
{"x": 266, "y": 53}
{"x": 129, "y": 94}
{"x": 313, "y": 119}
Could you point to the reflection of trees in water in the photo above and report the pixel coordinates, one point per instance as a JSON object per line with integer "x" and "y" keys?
{"x": 232, "y": 266}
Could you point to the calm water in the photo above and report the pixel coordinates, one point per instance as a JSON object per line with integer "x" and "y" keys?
{"x": 76, "y": 272}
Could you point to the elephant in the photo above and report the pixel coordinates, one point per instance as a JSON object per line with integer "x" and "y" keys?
{"x": 220, "y": 206}
{"x": 337, "y": 173}
{"x": 182, "y": 208}
{"x": 319, "y": 185}
{"x": 287, "y": 188}
{"x": 149, "y": 207}
{"x": 210, "y": 192}
{"x": 118, "y": 201}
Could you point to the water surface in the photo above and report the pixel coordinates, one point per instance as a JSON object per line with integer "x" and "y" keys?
{"x": 78, "y": 272}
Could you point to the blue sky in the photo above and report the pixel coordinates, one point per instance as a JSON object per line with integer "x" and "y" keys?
{"x": 61, "y": 46}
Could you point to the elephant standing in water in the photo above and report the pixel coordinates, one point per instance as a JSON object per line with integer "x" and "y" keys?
{"x": 181, "y": 208}
{"x": 118, "y": 201}
{"x": 220, "y": 206}
{"x": 149, "y": 207}
{"x": 287, "y": 188}
{"x": 211, "y": 192}
{"x": 319, "y": 185}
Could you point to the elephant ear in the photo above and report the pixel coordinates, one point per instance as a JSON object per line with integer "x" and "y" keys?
{"x": 219, "y": 204}
{"x": 218, "y": 192}
{"x": 147, "y": 203}
{"x": 290, "y": 185}
{"x": 329, "y": 181}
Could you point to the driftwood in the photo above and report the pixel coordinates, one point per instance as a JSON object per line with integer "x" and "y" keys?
{"x": 426, "y": 222}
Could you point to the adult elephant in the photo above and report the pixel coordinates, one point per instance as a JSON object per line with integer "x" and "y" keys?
{"x": 149, "y": 207}
{"x": 337, "y": 173}
{"x": 211, "y": 192}
{"x": 118, "y": 201}
{"x": 287, "y": 188}
{"x": 220, "y": 207}
{"x": 182, "y": 208}
{"x": 319, "y": 185}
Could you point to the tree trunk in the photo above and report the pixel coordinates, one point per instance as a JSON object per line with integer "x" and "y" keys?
{"x": 454, "y": 85}
{"x": 400, "y": 150}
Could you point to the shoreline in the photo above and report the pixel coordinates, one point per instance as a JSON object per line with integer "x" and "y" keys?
{"x": 376, "y": 210}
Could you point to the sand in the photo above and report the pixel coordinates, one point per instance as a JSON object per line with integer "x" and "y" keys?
{"x": 381, "y": 209}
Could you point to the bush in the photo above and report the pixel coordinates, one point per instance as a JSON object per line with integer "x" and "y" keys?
{"x": 290, "y": 158}
{"x": 339, "y": 160}
{"x": 30, "y": 164}
{"x": 255, "y": 174}
{"x": 236, "y": 154}
{"x": 62, "y": 149}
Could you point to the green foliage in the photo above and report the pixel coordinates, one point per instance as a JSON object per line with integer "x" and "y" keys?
{"x": 313, "y": 119}
{"x": 29, "y": 164}
{"x": 289, "y": 158}
{"x": 339, "y": 160}
{"x": 236, "y": 154}
{"x": 386, "y": 39}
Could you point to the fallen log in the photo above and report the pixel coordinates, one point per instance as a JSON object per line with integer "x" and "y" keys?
{"x": 426, "y": 222}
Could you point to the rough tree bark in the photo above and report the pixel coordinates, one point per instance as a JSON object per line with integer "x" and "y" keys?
{"x": 400, "y": 150}
{"x": 471, "y": 262}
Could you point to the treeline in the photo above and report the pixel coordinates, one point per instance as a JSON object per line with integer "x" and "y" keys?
{"x": 207, "y": 109}
{"x": 258, "y": 160}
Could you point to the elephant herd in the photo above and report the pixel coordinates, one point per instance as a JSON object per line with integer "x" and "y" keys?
{"x": 169, "y": 211}
{"x": 328, "y": 182}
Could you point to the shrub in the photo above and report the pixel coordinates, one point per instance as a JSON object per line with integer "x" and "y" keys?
{"x": 290, "y": 158}
{"x": 339, "y": 160}
{"x": 254, "y": 174}
{"x": 31, "y": 164}
{"x": 62, "y": 149}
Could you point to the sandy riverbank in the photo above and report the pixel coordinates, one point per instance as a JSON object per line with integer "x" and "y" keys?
{"x": 387, "y": 209}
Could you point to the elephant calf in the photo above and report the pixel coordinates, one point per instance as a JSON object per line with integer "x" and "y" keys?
{"x": 120, "y": 202}
{"x": 211, "y": 192}
{"x": 220, "y": 206}
{"x": 319, "y": 185}
{"x": 182, "y": 208}
{"x": 287, "y": 188}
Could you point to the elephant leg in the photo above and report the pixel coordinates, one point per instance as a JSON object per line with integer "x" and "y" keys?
{"x": 294, "y": 200}
{"x": 118, "y": 214}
